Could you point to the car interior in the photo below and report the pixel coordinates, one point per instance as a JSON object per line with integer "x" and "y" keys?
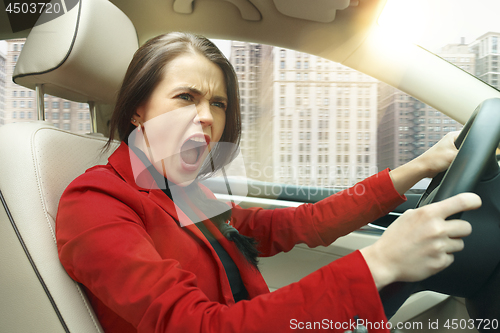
{"x": 83, "y": 55}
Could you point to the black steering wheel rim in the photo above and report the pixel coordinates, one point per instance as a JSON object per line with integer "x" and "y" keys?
{"x": 475, "y": 160}
{"x": 475, "y": 163}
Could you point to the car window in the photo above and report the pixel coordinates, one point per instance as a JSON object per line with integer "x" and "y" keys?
{"x": 309, "y": 121}
{"x": 306, "y": 121}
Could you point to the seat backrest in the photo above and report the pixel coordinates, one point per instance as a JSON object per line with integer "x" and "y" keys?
{"x": 82, "y": 56}
{"x": 37, "y": 163}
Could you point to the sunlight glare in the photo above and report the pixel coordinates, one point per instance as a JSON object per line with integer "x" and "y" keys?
{"x": 404, "y": 18}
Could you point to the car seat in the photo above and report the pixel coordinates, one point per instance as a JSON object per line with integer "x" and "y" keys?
{"x": 81, "y": 55}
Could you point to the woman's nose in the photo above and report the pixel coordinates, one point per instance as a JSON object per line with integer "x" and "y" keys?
{"x": 204, "y": 114}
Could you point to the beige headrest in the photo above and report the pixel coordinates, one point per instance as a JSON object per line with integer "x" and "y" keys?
{"x": 81, "y": 55}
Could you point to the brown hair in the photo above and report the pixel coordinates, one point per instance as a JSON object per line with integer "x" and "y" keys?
{"x": 147, "y": 69}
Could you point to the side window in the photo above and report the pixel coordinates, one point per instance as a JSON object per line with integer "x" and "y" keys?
{"x": 324, "y": 124}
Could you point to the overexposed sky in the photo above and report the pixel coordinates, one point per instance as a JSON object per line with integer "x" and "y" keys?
{"x": 435, "y": 23}
{"x": 3, "y": 47}
{"x": 225, "y": 46}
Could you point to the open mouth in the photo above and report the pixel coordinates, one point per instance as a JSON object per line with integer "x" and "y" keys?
{"x": 193, "y": 148}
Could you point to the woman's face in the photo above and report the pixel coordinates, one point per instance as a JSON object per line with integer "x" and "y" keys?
{"x": 185, "y": 113}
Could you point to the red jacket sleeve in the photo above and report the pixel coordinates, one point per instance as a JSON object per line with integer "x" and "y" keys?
{"x": 320, "y": 223}
{"x": 103, "y": 243}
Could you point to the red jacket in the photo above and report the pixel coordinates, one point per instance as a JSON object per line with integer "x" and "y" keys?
{"x": 145, "y": 273}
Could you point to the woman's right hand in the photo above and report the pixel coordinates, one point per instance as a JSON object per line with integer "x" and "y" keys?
{"x": 420, "y": 242}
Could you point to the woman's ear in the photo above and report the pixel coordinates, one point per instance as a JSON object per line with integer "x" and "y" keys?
{"x": 138, "y": 116}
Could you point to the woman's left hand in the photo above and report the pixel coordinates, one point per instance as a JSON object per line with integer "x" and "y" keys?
{"x": 439, "y": 157}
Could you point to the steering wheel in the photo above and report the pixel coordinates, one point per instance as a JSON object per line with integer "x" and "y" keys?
{"x": 476, "y": 159}
{"x": 474, "y": 169}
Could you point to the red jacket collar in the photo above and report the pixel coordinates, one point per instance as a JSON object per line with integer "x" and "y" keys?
{"x": 124, "y": 161}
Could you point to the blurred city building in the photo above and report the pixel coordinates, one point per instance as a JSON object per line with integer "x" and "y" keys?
{"x": 408, "y": 127}
{"x": 486, "y": 51}
{"x": 20, "y": 102}
{"x": 3, "y": 79}
{"x": 314, "y": 119}
{"x": 250, "y": 61}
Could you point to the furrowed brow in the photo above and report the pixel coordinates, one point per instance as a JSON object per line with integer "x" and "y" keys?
{"x": 195, "y": 91}
{"x": 220, "y": 99}
{"x": 191, "y": 90}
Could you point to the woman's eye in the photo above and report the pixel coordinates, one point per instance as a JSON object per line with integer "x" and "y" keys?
{"x": 185, "y": 97}
{"x": 219, "y": 105}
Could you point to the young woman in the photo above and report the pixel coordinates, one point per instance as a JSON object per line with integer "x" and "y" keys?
{"x": 147, "y": 267}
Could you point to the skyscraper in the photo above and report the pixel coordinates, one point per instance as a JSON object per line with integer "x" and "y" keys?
{"x": 486, "y": 51}
{"x": 408, "y": 127}
{"x": 316, "y": 118}
{"x": 247, "y": 59}
{"x": 461, "y": 55}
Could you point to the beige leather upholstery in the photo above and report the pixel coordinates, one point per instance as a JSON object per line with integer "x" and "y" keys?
{"x": 82, "y": 56}
{"x": 37, "y": 162}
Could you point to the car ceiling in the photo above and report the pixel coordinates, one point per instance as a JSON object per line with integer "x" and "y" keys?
{"x": 317, "y": 27}
{"x": 264, "y": 22}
